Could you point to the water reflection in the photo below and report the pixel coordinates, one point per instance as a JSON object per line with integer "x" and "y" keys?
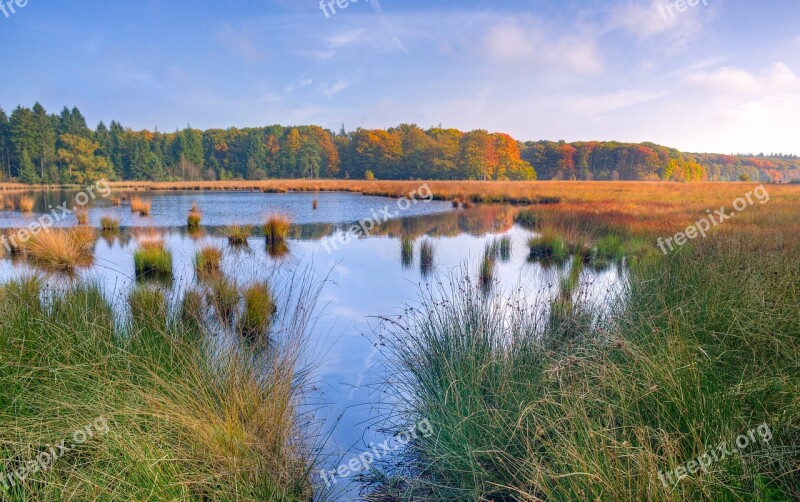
{"x": 368, "y": 277}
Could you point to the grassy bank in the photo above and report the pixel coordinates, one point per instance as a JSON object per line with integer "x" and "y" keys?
{"x": 181, "y": 419}
{"x": 539, "y": 406}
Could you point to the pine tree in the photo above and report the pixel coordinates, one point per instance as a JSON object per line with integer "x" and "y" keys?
{"x": 27, "y": 171}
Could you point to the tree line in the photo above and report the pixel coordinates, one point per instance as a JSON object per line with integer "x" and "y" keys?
{"x": 38, "y": 147}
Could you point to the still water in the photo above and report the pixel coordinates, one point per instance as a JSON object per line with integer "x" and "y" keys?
{"x": 363, "y": 278}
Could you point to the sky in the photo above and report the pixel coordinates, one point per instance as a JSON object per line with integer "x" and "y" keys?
{"x": 720, "y": 76}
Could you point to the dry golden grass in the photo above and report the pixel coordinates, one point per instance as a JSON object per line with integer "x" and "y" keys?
{"x": 61, "y": 248}
{"x": 276, "y": 229}
{"x": 141, "y": 206}
{"x": 26, "y": 204}
{"x": 651, "y": 206}
{"x": 82, "y": 215}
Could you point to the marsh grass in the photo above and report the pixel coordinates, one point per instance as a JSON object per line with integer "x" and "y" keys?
{"x": 141, "y": 206}
{"x": 426, "y": 255}
{"x": 223, "y": 295}
{"x": 208, "y": 261}
{"x": 26, "y": 204}
{"x": 259, "y": 311}
{"x": 109, "y": 224}
{"x": 575, "y": 405}
{"x": 82, "y": 215}
{"x": 223, "y": 423}
{"x": 63, "y": 249}
{"x": 238, "y": 234}
{"x": 147, "y": 302}
{"x": 314, "y": 204}
{"x": 406, "y": 251}
{"x": 548, "y": 245}
{"x": 194, "y": 218}
{"x": 486, "y": 271}
{"x": 276, "y": 229}
{"x": 528, "y": 218}
{"x": 504, "y": 247}
{"x": 152, "y": 259}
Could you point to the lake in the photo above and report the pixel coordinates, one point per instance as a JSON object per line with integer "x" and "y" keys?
{"x": 365, "y": 277}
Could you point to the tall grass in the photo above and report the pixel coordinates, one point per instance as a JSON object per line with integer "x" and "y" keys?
{"x": 184, "y": 420}
{"x": 530, "y": 405}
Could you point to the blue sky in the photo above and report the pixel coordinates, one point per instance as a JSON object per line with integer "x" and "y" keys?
{"x": 721, "y": 76}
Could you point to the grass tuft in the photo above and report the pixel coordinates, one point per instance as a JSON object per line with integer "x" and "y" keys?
{"x": 238, "y": 234}
{"x": 207, "y": 261}
{"x": 259, "y": 310}
{"x": 62, "y": 249}
{"x": 276, "y": 229}
{"x": 26, "y": 204}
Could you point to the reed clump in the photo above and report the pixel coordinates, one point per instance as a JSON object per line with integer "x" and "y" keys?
{"x": 109, "y": 224}
{"x": 426, "y": 252}
{"x": 82, "y": 215}
{"x": 528, "y": 218}
{"x": 406, "y": 250}
{"x": 276, "y": 229}
{"x": 548, "y": 245}
{"x": 141, "y": 206}
{"x": 26, "y": 204}
{"x": 194, "y": 218}
{"x": 152, "y": 258}
{"x": 62, "y": 249}
{"x": 238, "y": 234}
{"x": 259, "y": 310}
{"x": 208, "y": 261}
{"x": 223, "y": 294}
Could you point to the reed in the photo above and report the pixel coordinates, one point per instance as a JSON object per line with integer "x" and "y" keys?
{"x": 314, "y": 204}
{"x": 276, "y": 229}
{"x": 26, "y": 204}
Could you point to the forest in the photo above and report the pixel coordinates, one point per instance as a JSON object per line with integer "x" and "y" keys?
{"x": 41, "y": 147}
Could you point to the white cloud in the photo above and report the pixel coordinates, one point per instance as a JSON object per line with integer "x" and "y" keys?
{"x": 336, "y": 88}
{"x": 525, "y": 40}
{"x": 653, "y": 20}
